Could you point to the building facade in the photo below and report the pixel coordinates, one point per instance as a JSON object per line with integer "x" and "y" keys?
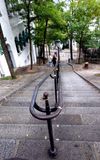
{"x": 16, "y": 39}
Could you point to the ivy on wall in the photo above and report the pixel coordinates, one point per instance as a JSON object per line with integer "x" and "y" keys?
{"x": 21, "y": 40}
{"x": 1, "y": 50}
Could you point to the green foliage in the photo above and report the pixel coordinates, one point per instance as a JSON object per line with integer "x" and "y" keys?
{"x": 54, "y": 22}
{"x": 80, "y": 16}
{"x": 46, "y": 11}
{"x": 6, "y": 78}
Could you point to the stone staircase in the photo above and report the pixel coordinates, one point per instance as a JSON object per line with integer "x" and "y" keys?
{"x": 76, "y": 129}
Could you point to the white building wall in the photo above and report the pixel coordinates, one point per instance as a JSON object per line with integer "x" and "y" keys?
{"x": 11, "y": 28}
{"x": 7, "y": 31}
{"x": 74, "y": 45}
{"x": 4, "y": 71}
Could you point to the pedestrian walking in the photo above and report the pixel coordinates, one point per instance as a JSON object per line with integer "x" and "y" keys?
{"x": 54, "y": 59}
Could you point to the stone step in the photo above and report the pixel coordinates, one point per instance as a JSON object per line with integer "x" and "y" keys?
{"x": 81, "y": 99}
{"x": 65, "y": 150}
{"x": 28, "y": 94}
{"x": 81, "y": 104}
{"x": 62, "y": 132}
{"x": 83, "y": 94}
{"x": 16, "y": 104}
{"x": 13, "y": 109}
{"x": 47, "y": 84}
{"x": 23, "y": 93}
{"x": 21, "y": 116}
{"x": 81, "y": 110}
{"x": 77, "y": 119}
{"x": 38, "y": 150}
{"x": 78, "y": 132}
{"x": 18, "y": 99}
{"x": 40, "y": 101}
{"x": 24, "y": 100}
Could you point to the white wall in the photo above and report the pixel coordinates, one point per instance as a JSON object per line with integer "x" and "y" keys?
{"x": 7, "y": 31}
{"x": 3, "y": 70}
{"x": 74, "y": 45}
{"x": 23, "y": 56}
{"x": 12, "y": 28}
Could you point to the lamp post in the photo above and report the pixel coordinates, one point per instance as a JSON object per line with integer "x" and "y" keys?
{"x": 58, "y": 44}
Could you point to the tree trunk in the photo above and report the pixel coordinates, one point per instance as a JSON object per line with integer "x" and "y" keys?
{"x": 31, "y": 58}
{"x": 45, "y": 32}
{"x": 80, "y": 47}
{"x": 49, "y": 50}
{"x": 5, "y": 49}
{"x": 71, "y": 49}
{"x": 29, "y": 34}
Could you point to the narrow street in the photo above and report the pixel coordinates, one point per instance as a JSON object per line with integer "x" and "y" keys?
{"x": 76, "y": 129}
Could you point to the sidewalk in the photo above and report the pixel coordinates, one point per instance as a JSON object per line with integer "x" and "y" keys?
{"x": 92, "y": 74}
{"x": 24, "y": 77}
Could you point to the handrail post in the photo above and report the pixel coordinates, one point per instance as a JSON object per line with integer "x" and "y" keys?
{"x": 55, "y": 85}
{"x": 58, "y": 66}
{"x": 52, "y": 151}
{"x": 58, "y": 61}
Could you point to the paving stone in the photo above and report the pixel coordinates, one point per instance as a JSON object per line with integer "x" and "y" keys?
{"x": 32, "y": 150}
{"x": 66, "y": 119}
{"x": 78, "y": 132}
{"x": 92, "y": 119}
{"x": 96, "y": 148}
{"x": 8, "y": 148}
{"x": 22, "y": 131}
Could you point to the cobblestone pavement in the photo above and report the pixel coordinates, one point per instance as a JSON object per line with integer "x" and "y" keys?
{"x": 76, "y": 130}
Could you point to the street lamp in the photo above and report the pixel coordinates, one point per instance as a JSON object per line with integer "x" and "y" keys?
{"x": 58, "y": 44}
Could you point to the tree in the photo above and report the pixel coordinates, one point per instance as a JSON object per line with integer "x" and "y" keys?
{"x": 84, "y": 14}
{"x": 46, "y": 11}
{"x": 69, "y": 18}
{"x": 79, "y": 16}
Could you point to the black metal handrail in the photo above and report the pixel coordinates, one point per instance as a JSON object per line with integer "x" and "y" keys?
{"x": 50, "y": 112}
{"x": 58, "y": 105}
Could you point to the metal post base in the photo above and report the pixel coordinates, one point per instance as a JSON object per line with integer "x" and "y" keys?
{"x": 52, "y": 153}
